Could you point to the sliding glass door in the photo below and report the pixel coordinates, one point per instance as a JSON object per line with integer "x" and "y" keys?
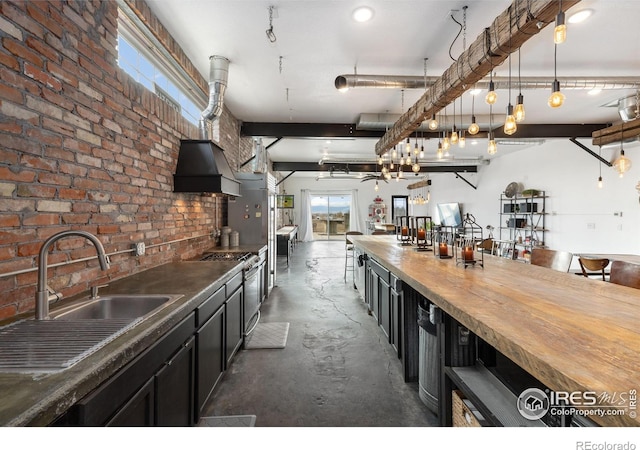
{"x": 331, "y": 214}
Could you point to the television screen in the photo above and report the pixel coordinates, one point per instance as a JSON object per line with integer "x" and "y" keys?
{"x": 450, "y": 214}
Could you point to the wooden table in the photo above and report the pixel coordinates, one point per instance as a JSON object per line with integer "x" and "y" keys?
{"x": 633, "y": 259}
{"x": 286, "y": 238}
{"x": 571, "y": 333}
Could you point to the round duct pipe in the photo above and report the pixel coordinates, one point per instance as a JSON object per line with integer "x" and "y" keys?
{"x": 218, "y": 75}
{"x": 628, "y": 108}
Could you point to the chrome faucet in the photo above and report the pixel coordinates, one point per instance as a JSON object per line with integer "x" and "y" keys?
{"x": 42, "y": 293}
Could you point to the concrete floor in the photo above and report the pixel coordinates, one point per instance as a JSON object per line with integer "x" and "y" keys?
{"x": 337, "y": 370}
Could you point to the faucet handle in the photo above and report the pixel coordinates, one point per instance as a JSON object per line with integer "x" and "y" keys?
{"x": 94, "y": 290}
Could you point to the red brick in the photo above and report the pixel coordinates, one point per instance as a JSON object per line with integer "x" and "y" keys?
{"x": 63, "y": 74}
{"x": 20, "y": 82}
{"x": 43, "y": 17}
{"x": 42, "y": 49}
{"x": 71, "y": 219}
{"x": 40, "y": 220}
{"x": 16, "y": 174}
{"x": 58, "y": 126}
{"x": 44, "y": 137}
{"x": 37, "y": 162}
{"x": 18, "y": 49}
{"x": 10, "y": 93}
{"x": 43, "y": 77}
{"x": 29, "y": 248}
{"x": 9, "y": 220}
{"x": 19, "y": 17}
{"x": 73, "y": 169}
{"x": 54, "y": 178}
{"x": 36, "y": 190}
{"x": 72, "y": 194}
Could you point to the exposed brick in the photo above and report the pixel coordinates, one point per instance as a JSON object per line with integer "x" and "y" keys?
{"x": 57, "y": 126}
{"x": 89, "y": 137}
{"x": 40, "y": 220}
{"x": 10, "y": 29}
{"x": 44, "y": 137}
{"x": 53, "y": 206}
{"x": 43, "y": 77}
{"x": 8, "y": 221}
{"x": 7, "y": 189}
{"x": 62, "y": 74}
{"x": 71, "y": 194}
{"x": 37, "y": 162}
{"x": 35, "y": 190}
{"x": 71, "y": 219}
{"x": 9, "y": 61}
{"x": 73, "y": 169}
{"x": 19, "y": 113}
{"x": 10, "y": 93}
{"x": 17, "y": 174}
{"x": 54, "y": 178}
{"x": 44, "y": 108}
{"x": 44, "y": 18}
{"x": 29, "y": 249}
{"x": 32, "y": 59}
{"x": 42, "y": 49}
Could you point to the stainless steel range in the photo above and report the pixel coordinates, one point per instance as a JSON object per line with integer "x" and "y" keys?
{"x": 252, "y": 274}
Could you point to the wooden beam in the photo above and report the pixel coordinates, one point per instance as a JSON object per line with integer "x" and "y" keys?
{"x": 617, "y": 133}
{"x": 512, "y": 28}
{"x": 419, "y": 184}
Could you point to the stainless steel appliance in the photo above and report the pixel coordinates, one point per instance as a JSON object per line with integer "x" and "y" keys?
{"x": 253, "y": 215}
{"x": 251, "y": 280}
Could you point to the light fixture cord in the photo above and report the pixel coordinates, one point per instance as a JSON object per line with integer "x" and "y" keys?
{"x": 519, "y": 79}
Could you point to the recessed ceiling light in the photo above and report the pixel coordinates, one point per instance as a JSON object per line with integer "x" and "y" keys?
{"x": 362, "y": 14}
{"x": 580, "y": 16}
{"x": 594, "y": 91}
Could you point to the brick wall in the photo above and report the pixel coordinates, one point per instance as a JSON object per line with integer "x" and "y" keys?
{"x": 83, "y": 146}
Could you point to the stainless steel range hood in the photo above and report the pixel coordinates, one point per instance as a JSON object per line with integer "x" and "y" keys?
{"x": 203, "y": 167}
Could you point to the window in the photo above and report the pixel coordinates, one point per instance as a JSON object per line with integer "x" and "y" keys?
{"x": 148, "y": 69}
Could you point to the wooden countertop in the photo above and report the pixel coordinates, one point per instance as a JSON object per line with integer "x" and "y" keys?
{"x": 571, "y": 333}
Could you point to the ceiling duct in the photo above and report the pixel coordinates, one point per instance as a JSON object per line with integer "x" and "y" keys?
{"x": 344, "y": 82}
{"x": 628, "y": 108}
{"x": 218, "y": 74}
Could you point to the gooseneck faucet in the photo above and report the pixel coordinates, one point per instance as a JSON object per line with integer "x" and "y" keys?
{"x": 42, "y": 292}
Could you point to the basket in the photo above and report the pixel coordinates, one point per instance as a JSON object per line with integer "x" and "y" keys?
{"x": 464, "y": 414}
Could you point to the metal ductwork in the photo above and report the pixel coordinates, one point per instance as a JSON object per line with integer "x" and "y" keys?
{"x": 628, "y": 108}
{"x": 218, "y": 75}
{"x": 345, "y": 82}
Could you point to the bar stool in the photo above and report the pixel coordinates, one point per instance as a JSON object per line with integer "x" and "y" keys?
{"x": 349, "y": 264}
{"x": 625, "y": 274}
{"x": 593, "y": 265}
{"x": 553, "y": 259}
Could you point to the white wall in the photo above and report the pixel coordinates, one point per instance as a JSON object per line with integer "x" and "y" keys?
{"x": 580, "y": 216}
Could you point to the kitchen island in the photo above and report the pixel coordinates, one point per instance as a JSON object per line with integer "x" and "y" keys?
{"x": 570, "y": 333}
{"x": 32, "y": 399}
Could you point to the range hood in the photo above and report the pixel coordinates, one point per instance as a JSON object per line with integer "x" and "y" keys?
{"x": 203, "y": 167}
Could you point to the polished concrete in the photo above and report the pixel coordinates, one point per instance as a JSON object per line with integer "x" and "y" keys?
{"x": 337, "y": 369}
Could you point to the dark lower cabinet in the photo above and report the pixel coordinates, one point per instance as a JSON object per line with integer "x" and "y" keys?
{"x": 384, "y": 300}
{"x": 139, "y": 411}
{"x": 211, "y": 357}
{"x": 174, "y": 388}
{"x": 234, "y": 323}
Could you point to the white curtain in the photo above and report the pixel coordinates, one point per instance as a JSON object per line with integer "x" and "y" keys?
{"x": 356, "y": 219}
{"x": 305, "y": 232}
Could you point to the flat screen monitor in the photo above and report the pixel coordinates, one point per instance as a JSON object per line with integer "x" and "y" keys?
{"x": 450, "y": 214}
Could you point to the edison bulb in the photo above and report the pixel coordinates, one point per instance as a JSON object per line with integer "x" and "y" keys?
{"x": 622, "y": 164}
{"x": 454, "y": 137}
{"x": 510, "y": 126}
{"x": 415, "y": 167}
{"x": 492, "y": 148}
{"x": 600, "y": 182}
{"x": 376, "y": 188}
{"x": 433, "y": 123}
{"x": 519, "y": 113}
{"x": 474, "y": 127}
{"x": 462, "y": 142}
{"x": 446, "y": 144}
{"x": 557, "y": 98}
{"x": 491, "y": 97}
{"x": 560, "y": 31}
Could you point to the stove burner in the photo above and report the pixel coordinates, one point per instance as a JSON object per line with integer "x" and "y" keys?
{"x": 226, "y": 256}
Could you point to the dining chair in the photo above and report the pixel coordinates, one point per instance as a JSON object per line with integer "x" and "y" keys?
{"x": 552, "y": 259}
{"x": 348, "y": 253}
{"x": 625, "y": 274}
{"x": 591, "y": 265}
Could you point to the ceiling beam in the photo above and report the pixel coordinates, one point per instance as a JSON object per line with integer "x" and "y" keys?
{"x": 307, "y": 130}
{"x": 512, "y": 28}
{"x": 363, "y": 167}
{"x": 617, "y": 133}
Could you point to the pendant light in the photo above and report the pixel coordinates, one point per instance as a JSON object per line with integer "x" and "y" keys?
{"x": 454, "y": 131}
{"x": 510, "y": 126}
{"x": 474, "y": 127}
{"x": 622, "y": 164}
{"x": 492, "y": 146}
{"x": 557, "y": 98}
{"x": 491, "y": 98}
{"x": 519, "y": 111}
{"x": 439, "y": 151}
{"x": 600, "y": 167}
{"x": 462, "y": 141}
{"x": 560, "y": 31}
{"x": 433, "y": 123}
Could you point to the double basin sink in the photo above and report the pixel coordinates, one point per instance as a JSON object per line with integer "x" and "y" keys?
{"x": 74, "y": 332}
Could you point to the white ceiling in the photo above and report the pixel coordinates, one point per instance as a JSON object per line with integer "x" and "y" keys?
{"x": 292, "y": 79}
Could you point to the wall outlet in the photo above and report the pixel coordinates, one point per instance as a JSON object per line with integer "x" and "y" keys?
{"x": 139, "y": 248}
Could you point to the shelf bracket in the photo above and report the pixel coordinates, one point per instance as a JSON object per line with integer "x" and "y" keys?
{"x": 591, "y": 152}
{"x": 465, "y": 180}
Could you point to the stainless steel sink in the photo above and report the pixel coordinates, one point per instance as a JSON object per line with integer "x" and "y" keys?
{"x": 115, "y": 307}
{"x": 75, "y": 332}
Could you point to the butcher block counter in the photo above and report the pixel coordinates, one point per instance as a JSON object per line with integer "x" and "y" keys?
{"x": 571, "y": 333}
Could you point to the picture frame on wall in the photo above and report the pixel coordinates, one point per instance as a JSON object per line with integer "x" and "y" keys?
{"x": 284, "y": 201}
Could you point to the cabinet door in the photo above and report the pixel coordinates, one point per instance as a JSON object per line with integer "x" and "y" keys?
{"x": 385, "y": 306}
{"x": 174, "y": 388}
{"x": 375, "y": 296}
{"x": 210, "y": 349}
{"x": 234, "y": 324}
{"x": 395, "y": 321}
{"x": 138, "y": 411}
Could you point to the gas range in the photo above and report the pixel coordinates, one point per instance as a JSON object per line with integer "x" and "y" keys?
{"x": 248, "y": 258}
